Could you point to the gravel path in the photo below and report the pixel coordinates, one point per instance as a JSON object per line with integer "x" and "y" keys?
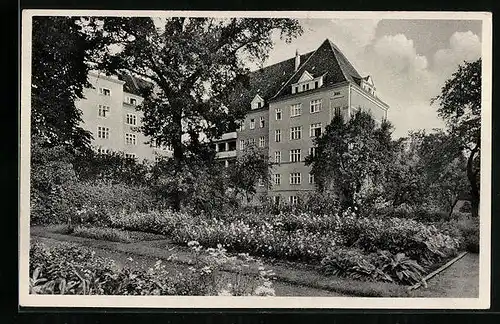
{"x": 460, "y": 280}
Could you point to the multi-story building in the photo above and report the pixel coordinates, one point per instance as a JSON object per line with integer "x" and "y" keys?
{"x": 291, "y": 102}
{"x": 109, "y": 112}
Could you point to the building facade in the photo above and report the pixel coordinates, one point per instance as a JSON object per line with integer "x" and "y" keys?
{"x": 109, "y": 112}
{"x": 291, "y": 102}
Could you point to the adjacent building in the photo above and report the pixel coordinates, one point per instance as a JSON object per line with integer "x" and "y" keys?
{"x": 290, "y": 103}
{"x": 109, "y": 112}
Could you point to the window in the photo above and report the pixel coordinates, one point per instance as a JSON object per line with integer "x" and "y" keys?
{"x": 277, "y": 179}
{"x": 337, "y": 111}
{"x": 295, "y": 155}
{"x": 103, "y": 132}
{"x": 262, "y": 122}
{"x": 103, "y": 111}
{"x": 252, "y": 123}
{"x": 315, "y": 130}
{"x": 105, "y": 91}
{"x": 251, "y": 142}
{"x": 241, "y": 126}
{"x": 293, "y": 200}
{"x": 277, "y": 135}
{"x": 130, "y": 156}
{"x": 295, "y": 178}
{"x": 296, "y": 89}
{"x": 131, "y": 119}
{"x": 102, "y": 150}
{"x": 315, "y": 105}
{"x": 316, "y": 84}
{"x": 260, "y": 182}
{"x": 311, "y": 178}
{"x": 130, "y": 139}
{"x": 278, "y": 113}
{"x": 295, "y": 132}
{"x": 336, "y": 93}
{"x": 262, "y": 141}
{"x": 242, "y": 144}
{"x": 312, "y": 151}
{"x": 132, "y": 101}
{"x": 276, "y": 200}
{"x": 277, "y": 156}
{"x": 295, "y": 110}
{"x": 259, "y": 104}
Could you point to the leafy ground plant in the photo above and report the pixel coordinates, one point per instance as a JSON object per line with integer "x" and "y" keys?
{"x": 73, "y": 269}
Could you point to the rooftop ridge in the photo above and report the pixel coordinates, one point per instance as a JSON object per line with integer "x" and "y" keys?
{"x": 336, "y": 50}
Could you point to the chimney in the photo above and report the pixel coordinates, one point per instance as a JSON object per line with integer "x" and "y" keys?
{"x": 297, "y": 60}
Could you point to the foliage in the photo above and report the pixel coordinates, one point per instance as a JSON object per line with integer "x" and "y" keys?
{"x": 102, "y": 233}
{"x": 72, "y": 269}
{"x": 302, "y": 236}
{"x": 94, "y": 203}
{"x": 202, "y": 184}
{"x": 460, "y": 106}
{"x": 60, "y": 53}
{"x": 352, "y": 263}
{"x": 350, "y": 158}
{"x": 250, "y": 167}
{"x": 111, "y": 168}
{"x": 52, "y": 183}
{"x": 400, "y": 267}
{"x": 195, "y": 64}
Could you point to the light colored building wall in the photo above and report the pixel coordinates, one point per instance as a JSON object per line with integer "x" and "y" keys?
{"x": 330, "y": 97}
{"x": 247, "y": 134}
{"x": 360, "y": 98}
{"x": 116, "y": 118}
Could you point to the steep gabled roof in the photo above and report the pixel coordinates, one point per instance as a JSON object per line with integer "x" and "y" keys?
{"x": 133, "y": 84}
{"x": 327, "y": 60}
{"x": 266, "y": 82}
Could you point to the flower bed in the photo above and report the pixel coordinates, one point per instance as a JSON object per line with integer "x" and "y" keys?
{"x": 75, "y": 270}
{"x": 387, "y": 243}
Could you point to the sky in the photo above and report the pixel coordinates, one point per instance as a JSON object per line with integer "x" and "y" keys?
{"x": 409, "y": 60}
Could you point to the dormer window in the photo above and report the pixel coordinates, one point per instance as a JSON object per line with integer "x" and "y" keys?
{"x": 257, "y": 102}
{"x": 307, "y": 82}
{"x": 367, "y": 85}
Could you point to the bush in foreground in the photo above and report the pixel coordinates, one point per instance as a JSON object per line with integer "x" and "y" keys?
{"x": 76, "y": 270}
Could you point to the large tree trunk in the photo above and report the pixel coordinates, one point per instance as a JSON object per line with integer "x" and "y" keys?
{"x": 472, "y": 176}
{"x": 178, "y": 163}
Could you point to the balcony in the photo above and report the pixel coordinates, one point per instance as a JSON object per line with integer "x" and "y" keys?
{"x": 225, "y": 155}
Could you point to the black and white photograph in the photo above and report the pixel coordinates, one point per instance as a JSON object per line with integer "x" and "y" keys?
{"x": 255, "y": 159}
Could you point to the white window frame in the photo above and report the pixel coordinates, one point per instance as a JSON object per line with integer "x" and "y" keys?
{"x": 252, "y": 123}
{"x": 277, "y": 157}
{"x": 130, "y": 156}
{"x": 311, "y": 178}
{"x": 277, "y": 135}
{"x": 130, "y": 139}
{"x": 295, "y": 155}
{"x": 242, "y": 144}
{"x": 312, "y": 151}
{"x": 262, "y": 141}
{"x": 295, "y": 110}
{"x": 103, "y": 110}
{"x": 278, "y": 112}
{"x": 262, "y": 122}
{"x": 277, "y": 179}
{"x": 295, "y": 178}
{"x": 251, "y": 142}
{"x": 295, "y": 132}
{"x": 102, "y": 132}
{"x": 105, "y": 91}
{"x": 313, "y": 128}
{"x": 132, "y": 101}
{"x": 316, "y": 105}
{"x": 293, "y": 200}
{"x": 131, "y": 117}
{"x": 241, "y": 126}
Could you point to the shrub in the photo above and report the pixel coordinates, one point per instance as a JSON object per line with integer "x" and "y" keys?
{"x": 399, "y": 267}
{"x": 72, "y": 269}
{"x": 466, "y": 230}
{"x": 352, "y": 263}
{"x": 95, "y": 203}
{"x": 466, "y": 207}
{"x": 52, "y": 182}
{"x": 102, "y": 233}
